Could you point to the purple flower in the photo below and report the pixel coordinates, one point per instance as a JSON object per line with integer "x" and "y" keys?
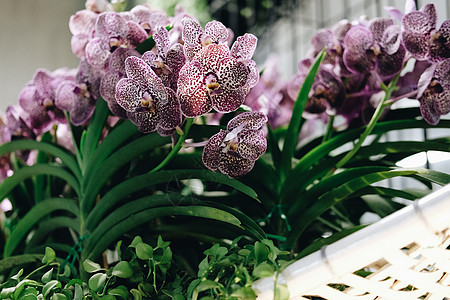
{"x": 79, "y": 96}
{"x": 82, "y": 26}
{"x": 37, "y": 99}
{"x": 114, "y": 72}
{"x": 234, "y": 151}
{"x": 195, "y": 38}
{"x": 422, "y": 39}
{"x": 327, "y": 92}
{"x": 376, "y": 47}
{"x": 218, "y": 78}
{"x": 113, "y": 30}
{"x": 148, "y": 18}
{"x": 149, "y": 104}
{"x": 169, "y": 60}
{"x": 434, "y": 92}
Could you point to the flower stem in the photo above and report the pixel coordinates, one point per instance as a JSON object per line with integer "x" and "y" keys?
{"x": 373, "y": 121}
{"x": 177, "y": 146}
{"x": 329, "y": 129}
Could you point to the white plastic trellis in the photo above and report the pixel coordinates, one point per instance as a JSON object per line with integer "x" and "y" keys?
{"x": 407, "y": 255}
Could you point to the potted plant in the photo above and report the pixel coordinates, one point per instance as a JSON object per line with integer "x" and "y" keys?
{"x": 168, "y": 165}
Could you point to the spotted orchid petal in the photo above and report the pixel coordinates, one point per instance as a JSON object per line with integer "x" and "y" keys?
{"x": 145, "y": 77}
{"x": 191, "y": 31}
{"x": 252, "y": 144}
{"x": 161, "y": 37}
{"x": 210, "y": 56}
{"x": 212, "y": 150}
{"x": 232, "y": 74}
{"x": 170, "y": 116}
{"x": 216, "y": 31}
{"x": 357, "y": 41}
{"x": 234, "y": 166}
{"x": 228, "y": 100}
{"x": 146, "y": 121}
{"x": 244, "y": 47}
{"x": 253, "y": 120}
{"x": 97, "y": 52}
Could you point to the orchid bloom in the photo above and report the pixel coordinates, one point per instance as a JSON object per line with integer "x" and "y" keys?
{"x": 234, "y": 151}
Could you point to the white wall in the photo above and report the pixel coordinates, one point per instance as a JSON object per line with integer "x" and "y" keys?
{"x": 33, "y": 34}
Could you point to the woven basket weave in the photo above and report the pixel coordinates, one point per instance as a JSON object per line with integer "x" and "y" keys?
{"x": 403, "y": 256}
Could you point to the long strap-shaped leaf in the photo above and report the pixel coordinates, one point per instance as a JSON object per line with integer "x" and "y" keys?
{"x": 49, "y": 225}
{"x": 94, "y": 181}
{"x": 95, "y": 128}
{"x": 293, "y": 130}
{"x": 145, "y": 181}
{"x": 302, "y": 219}
{"x": 33, "y": 217}
{"x": 324, "y": 149}
{"x": 109, "y": 144}
{"x": 66, "y": 158}
{"x": 132, "y": 218}
{"x": 38, "y": 169}
{"x": 301, "y": 201}
{"x": 406, "y": 147}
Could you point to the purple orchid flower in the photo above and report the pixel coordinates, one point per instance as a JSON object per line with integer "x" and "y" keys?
{"x": 79, "y": 96}
{"x": 234, "y": 151}
{"x": 422, "y": 39}
{"x": 169, "y": 60}
{"x": 37, "y": 99}
{"x": 434, "y": 91}
{"x": 149, "y": 104}
{"x": 82, "y": 26}
{"x": 218, "y": 78}
{"x": 113, "y": 30}
{"x": 195, "y": 38}
{"x": 114, "y": 72}
{"x": 376, "y": 47}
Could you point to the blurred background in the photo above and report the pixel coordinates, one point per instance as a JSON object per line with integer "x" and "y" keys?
{"x": 35, "y": 34}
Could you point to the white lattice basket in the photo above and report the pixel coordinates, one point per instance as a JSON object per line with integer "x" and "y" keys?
{"x": 407, "y": 255}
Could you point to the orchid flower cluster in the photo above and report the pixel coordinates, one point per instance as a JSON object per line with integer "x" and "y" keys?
{"x": 110, "y": 150}
{"x": 188, "y": 73}
{"x": 362, "y": 57}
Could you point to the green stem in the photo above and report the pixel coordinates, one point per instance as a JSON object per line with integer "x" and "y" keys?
{"x": 373, "y": 121}
{"x": 177, "y": 146}
{"x": 329, "y": 129}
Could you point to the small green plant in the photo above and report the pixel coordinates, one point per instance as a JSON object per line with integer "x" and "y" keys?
{"x": 228, "y": 273}
{"x": 146, "y": 272}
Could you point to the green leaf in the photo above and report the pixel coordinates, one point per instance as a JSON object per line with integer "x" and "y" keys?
{"x": 291, "y": 137}
{"x": 17, "y": 276}
{"x": 263, "y": 270}
{"x": 113, "y": 163}
{"x": 49, "y": 256}
{"x": 9, "y": 183}
{"x": 303, "y": 218}
{"x": 97, "y": 281}
{"x": 161, "y": 244}
{"x": 435, "y": 177}
{"x": 120, "y": 291}
{"x": 49, "y": 287}
{"x": 21, "y": 286}
{"x": 58, "y": 296}
{"x": 207, "y": 284}
{"x": 47, "y": 276}
{"x": 281, "y": 292}
{"x": 245, "y": 292}
{"x": 95, "y": 128}
{"x": 315, "y": 155}
{"x": 144, "y": 251}
{"x": 117, "y": 193}
{"x": 122, "y": 270}
{"x": 91, "y": 267}
{"x": 316, "y": 245}
{"x": 137, "y": 240}
{"x": 113, "y": 227}
{"x": 5, "y": 293}
{"x": 261, "y": 253}
{"x": 54, "y": 150}
{"x": 33, "y": 217}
